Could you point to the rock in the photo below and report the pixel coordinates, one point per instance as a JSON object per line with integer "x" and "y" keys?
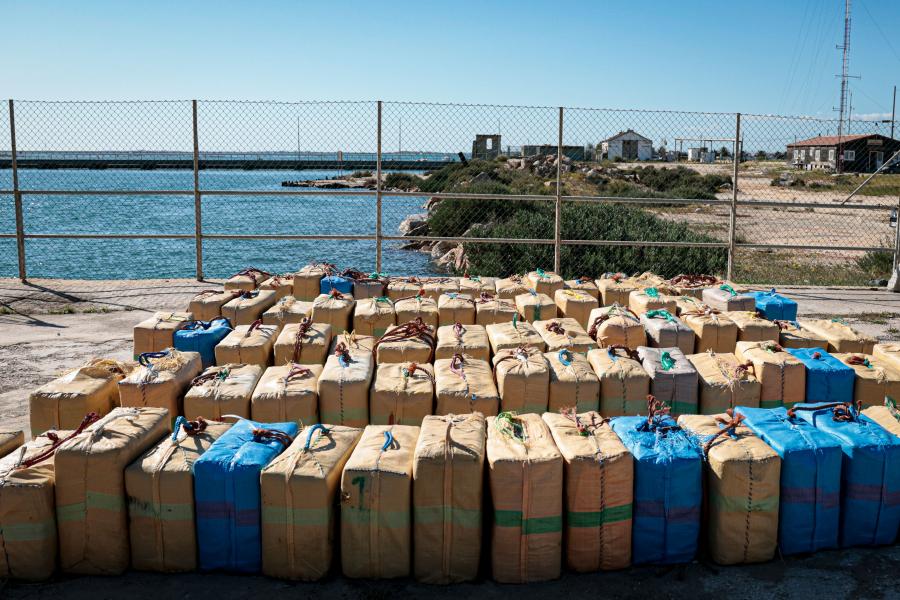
{"x": 431, "y": 203}
{"x": 414, "y": 223}
{"x": 453, "y": 259}
{"x": 481, "y": 177}
{"x": 440, "y": 249}
{"x": 514, "y": 163}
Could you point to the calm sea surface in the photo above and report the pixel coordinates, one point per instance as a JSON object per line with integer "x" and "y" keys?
{"x": 348, "y": 214}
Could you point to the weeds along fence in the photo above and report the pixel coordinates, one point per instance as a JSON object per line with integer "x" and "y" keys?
{"x": 195, "y": 188}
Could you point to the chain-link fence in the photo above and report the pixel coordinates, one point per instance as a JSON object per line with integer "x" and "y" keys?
{"x": 194, "y": 188}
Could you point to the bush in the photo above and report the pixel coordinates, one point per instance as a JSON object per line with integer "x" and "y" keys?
{"x": 360, "y": 174}
{"x": 681, "y": 182}
{"x": 402, "y": 181}
{"x": 877, "y": 264}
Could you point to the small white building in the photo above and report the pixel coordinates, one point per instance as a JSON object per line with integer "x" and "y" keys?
{"x": 627, "y": 145}
{"x": 702, "y": 155}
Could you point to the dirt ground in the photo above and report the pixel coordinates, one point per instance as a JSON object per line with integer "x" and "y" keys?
{"x": 48, "y": 326}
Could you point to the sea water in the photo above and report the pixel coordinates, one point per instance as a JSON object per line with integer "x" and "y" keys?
{"x": 344, "y": 213}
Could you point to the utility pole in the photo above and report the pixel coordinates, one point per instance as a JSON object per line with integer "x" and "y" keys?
{"x": 893, "y": 111}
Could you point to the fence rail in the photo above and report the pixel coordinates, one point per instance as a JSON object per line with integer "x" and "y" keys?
{"x": 587, "y": 190}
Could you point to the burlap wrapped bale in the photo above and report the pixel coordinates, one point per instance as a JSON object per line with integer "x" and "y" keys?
{"x": 448, "y": 473}
{"x": 564, "y": 334}
{"x": 839, "y": 335}
{"x": 752, "y": 327}
{"x": 249, "y": 344}
{"x": 28, "y": 509}
{"x": 511, "y": 335}
{"x": 876, "y": 380}
{"x": 726, "y": 298}
{"x": 782, "y": 377}
{"x": 305, "y": 343}
{"x": 300, "y": 492}
{"x": 411, "y": 308}
{"x": 376, "y": 499}
{"x": 650, "y": 298}
{"x": 247, "y": 279}
{"x": 476, "y": 285}
{"x": 454, "y": 307}
{"x": 576, "y": 304}
{"x": 743, "y": 476}
{"x": 401, "y": 393}
{"x": 715, "y": 332}
{"x": 282, "y": 285}
{"x": 794, "y": 336}
{"x": 287, "y": 310}
{"x": 685, "y": 304}
{"x": 354, "y": 344}
{"x": 222, "y": 390}
{"x": 535, "y": 306}
{"x": 207, "y": 305}
{"x": 665, "y": 330}
{"x": 673, "y": 378}
{"x": 10, "y": 440}
{"x": 691, "y": 285}
{"x": 471, "y": 340}
{"x": 889, "y": 352}
{"x": 493, "y": 309}
{"x": 544, "y": 282}
{"x": 599, "y": 482}
{"x": 160, "y": 490}
{"x": 583, "y": 284}
{"x": 523, "y": 380}
{"x": 572, "y": 382}
{"x": 647, "y": 279}
{"x": 888, "y": 417}
{"x": 616, "y": 326}
{"x": 725, "y": 382}
{"x": 156, "y": 333}
{"x": 435, "y": 287}
{"x": 336, "y": 309}
{"x": 248, "y": 307}
{"x": 63, "y": 402}
{"x": 287, "y": 393}
{"x": 307, "y": 281}
{"x": 615, "y": 288}
{"x": 525, "y": 472}
{"x": 90, "y": 489}
{"x": 370, "y": 287}
{"x": 344, "y": 387}
{"x": 161, "y": 380}
{"x": 464, "y": 385}
{"x": 372, "y": 316}
{"x": 624, "y": 384}
{"x": 409, "y": 342}
{"x": 404, "y": 287}
{"x": 512, "y": 286}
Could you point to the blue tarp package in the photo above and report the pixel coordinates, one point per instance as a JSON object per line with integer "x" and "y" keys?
{"x": 667, "y": 489}
{"x": 870, "y": 476}
{"x": 809, "y": 509}
{"x": 336, "y": 282}
{"x": 202, "y": 337}
{"x": 226, "y": 494}
{"x": 827, "y": 378}
{"x": 775, "y": 306}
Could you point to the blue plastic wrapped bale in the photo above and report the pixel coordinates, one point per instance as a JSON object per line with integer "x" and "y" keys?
{"x": 667, "y": 489}
{"x": 774, "y": 306}
{"x": 336, "y": 282}
{"x": 809, "y": 506}
{"x": 827, "y": 378}
{"x": 202, "y": 337}
{"x": 227, "y": 494}
{"x": 870, "y": 476}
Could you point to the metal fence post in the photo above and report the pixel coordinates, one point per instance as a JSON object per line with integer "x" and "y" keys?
{"x": 897, "y": 239}
{"x": 557, "y": 236}
{"x": 732, "y": 220}
{"x": 17, "y": 195}
{"x": 378, "y": 195}
{"x": 198, "y": 214}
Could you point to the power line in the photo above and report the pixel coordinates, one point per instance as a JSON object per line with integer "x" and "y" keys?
{"x": 881, "y": 31}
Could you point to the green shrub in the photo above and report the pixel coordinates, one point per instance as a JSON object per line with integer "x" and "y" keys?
{"x": 360, "y": 174}
{"x": 877, "y": 264}
{"x": 403, "y": 181}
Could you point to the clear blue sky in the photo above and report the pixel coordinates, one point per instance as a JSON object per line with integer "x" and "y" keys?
{"x": 757, "y": 56}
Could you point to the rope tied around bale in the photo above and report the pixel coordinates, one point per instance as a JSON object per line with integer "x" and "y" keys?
{"x": 416, "y": 329}
{"x": 458, "y": 331}
{"x": 841, "y": 412}
{"x": 262, "y": 435}
{"x": 214, "y": 374}
{"x": 88, "y": 420}
{"x": 343, "y": 354}
{"x": 253, "y": 273}
{"x": 727, "y": 288}
{"x": 411, "y": 370}
{"x": 857, "y": 359}
{"x": 297, "y": 371}
{"x": 191, "y": 428}
{"x": 613, "y": 350}
{"x": 510, "y": 425}
{"x": 728, "y": 428}
{"x": 302, "y": 331}
{"x": 657, "y": 411}
{"x": 584, "y": 429}
{"x": 660, "y": 313}
{"x": 555, "y": 327}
